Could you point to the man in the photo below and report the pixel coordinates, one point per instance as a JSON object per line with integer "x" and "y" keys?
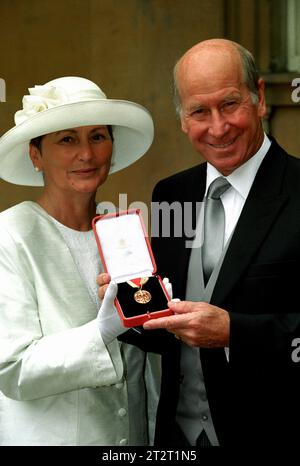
{"x": 242, "y": 308}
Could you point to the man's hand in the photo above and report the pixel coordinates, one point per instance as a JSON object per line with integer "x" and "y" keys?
{"x": 196, "y": 324}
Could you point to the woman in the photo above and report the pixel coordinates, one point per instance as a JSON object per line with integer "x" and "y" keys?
{"x": 64, "y": 377}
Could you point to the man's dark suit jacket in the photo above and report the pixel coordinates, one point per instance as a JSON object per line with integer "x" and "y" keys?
{"x": 255, "y": 398}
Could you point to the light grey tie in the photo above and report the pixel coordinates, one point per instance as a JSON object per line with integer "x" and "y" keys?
{"x": 214, "y": 226}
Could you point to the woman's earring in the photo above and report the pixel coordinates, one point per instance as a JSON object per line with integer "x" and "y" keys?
{"x": 37, "y": 169}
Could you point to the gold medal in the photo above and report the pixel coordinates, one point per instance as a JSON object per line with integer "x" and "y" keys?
{"x": 141, "y": 296}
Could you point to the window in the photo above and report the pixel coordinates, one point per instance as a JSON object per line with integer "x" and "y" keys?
{"x": 293, "y": 35}
{"x": 2, "y": 90}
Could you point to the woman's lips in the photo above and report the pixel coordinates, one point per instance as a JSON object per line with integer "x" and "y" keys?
{"x": 84, "y": 171}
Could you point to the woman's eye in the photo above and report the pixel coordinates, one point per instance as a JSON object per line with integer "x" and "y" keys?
{"x": 99, "y": 137}
{"x": 67, "y": 139}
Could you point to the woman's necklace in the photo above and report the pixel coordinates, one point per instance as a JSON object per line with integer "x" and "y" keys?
{"x": 141, "y": 296}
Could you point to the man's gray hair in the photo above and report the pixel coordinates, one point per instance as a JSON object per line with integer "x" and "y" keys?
{"x": 250, "y": 76}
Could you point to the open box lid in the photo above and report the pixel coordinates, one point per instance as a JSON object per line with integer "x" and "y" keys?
{"x": 124, "y": 245}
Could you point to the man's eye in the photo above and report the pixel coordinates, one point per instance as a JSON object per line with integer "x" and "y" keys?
{"x": 230, "y": 105}
{"x": 200, "y": 113}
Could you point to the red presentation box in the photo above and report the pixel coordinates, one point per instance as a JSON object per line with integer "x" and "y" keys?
{"x": 127, "y": 256}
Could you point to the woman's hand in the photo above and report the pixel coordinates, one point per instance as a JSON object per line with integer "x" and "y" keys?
{"x": 168, "y": 287}
{"x": 108, "y": 319}
{"x": 103, "y": 281}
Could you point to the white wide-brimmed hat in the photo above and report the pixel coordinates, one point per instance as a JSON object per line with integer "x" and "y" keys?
{"x": 66, "y": 103}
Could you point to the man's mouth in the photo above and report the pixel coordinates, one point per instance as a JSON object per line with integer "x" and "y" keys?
{"x": 224, "y": 145}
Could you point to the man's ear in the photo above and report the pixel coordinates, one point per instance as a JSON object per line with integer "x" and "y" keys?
{"x": 183, "y": 125}
{"x": 261, "y": 106}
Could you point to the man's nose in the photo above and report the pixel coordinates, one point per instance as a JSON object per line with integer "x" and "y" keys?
{"x": 218, "y": 125}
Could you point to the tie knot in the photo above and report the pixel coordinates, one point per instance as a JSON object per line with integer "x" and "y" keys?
{"x": 217, "y": 188}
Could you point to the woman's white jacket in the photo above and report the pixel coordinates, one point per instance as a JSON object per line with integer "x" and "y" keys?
{"x": 60, "y": 385}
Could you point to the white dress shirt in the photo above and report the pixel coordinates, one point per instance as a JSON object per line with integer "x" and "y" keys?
{"x": 241, "y": 181}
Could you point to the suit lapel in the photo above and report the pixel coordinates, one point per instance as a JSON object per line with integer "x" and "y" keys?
{"x": 261, "y": 208}
{"x": 194, "y": 192}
